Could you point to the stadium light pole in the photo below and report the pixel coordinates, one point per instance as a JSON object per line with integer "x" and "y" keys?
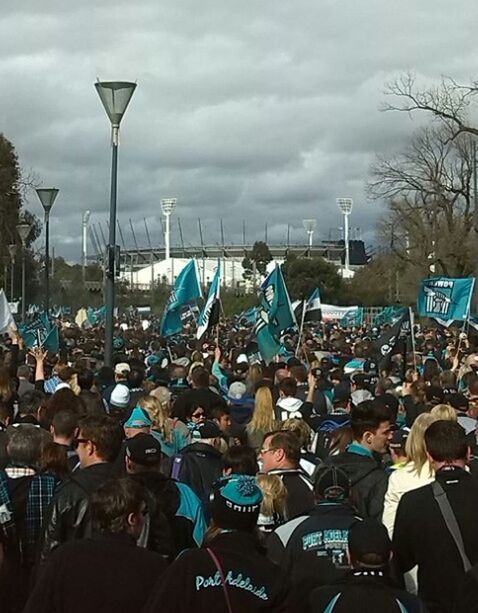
{"x": 47, "y": 196}
{"x": 309, "y": 226}
{"x": 23, "y": 230}
{"x": 167, "y": 206}
{"x": 345, "y": 205}
{"x": 115, "y": 97}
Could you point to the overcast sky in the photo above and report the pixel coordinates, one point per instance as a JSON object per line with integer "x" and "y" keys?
{"x": 263, "y": 110}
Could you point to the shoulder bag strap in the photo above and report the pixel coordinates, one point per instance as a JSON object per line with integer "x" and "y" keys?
{"x": 223, "y": 579}
{"x": 450, "y": 521}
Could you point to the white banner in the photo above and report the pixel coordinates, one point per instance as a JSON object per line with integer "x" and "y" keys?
{"x": 330, "y": 312}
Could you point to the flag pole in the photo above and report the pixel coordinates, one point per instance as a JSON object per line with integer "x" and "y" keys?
{"x": 301, "y": 329}
{"x": 412, "y": 332}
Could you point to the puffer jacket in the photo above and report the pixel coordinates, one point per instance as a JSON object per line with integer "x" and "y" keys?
{"x": 69, "y": 516}
{"x": 369, "y": 482}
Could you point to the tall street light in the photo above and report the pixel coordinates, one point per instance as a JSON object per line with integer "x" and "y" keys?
{"x": 23, "y": 230}
{"x": 115, "y": 96}
{"x": 47, "y": 197}
{"x": 84, "y": 245}
{"x": 12, "y": 250}
{"x": 345, "y": 205}
{"x": 309, "y": 226}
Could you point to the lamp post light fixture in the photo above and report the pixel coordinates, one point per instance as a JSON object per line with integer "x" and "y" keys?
{"x": 167, "y": 206}
{"x": 84, "y": 244}
{"x": 309, "y": 226}
{"x": 23, "y": 230}
{"x": 12, "y": 250}
{"x": 47, "y": 197}
{"x": 345, "y": 205}
{"x": 115, "y": 97}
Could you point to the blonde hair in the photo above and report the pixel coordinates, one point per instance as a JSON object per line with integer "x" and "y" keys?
{"x": 415, "y": 446}
{"x": 255, "y": 374}
{"x": 300, "y": 428}
{"x": 263, "y": 419}
{"x": 159, "y": 415}
{"x": 274, "y": 495}
{"x": 444, "y": 411}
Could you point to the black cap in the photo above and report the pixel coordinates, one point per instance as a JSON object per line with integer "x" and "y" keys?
{"x": 341, "y": 393}
{"x": 206, "y": 429}
{"x": 459, "y": 402}
{"x": 369, "y": 543}
{"x": 434, "y": 394}
{"x": 144, "y": 449}
{"x": 399, "y": 438}
{"x": 331, "y": 483}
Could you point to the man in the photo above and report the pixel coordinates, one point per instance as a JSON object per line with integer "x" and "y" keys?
{"x": 280, "y": 455}
{"x": 200, "y": 395}
{"x": 24, "y": 383}
{"x": 116, "y": 573}
{"x": 397, "y": 449}
{"x": 119, "y": 402}
{"x": 166, "y": 499}
{"x": 6, "y": 418}
{"x": 368, "y": 586}
{"x": 421, "y": 536}
{"x": 64, "y": 428}
{"x": 199, "y": 464}
{"x": 136, "y": 389}
{"x": 98, "y": 444}
{"x": 313, "y": 547}
{"x": 289, "y": 405}
{"x": 370, "y": 422}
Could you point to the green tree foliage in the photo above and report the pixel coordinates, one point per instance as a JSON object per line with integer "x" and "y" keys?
{"x": 261, "y": 255}
{"x": 303, "y": 275}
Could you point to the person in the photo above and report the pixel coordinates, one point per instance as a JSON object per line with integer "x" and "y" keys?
{"x": 64, "y": 428}
{"x": 240, "y": 460}
{"x": 118, "y": 574}
{"x": 231, "y": 572}
{"x": 24, "y": 383}
{"x": 397, "y": 450}
{"x": 136, "y": 388}
{"x": 263, "y": 418}
{"x": 308, "y": 461}
{"x": 280, "y": 455}
{"x": 313, "y": 547}
{"x": 25, "y": 496}
{"x": 289, "y": 405}
{"x": 6, "y": 418}
{"x": 370, "y": 423}
{"x": 199, "y": 395}
{"x": 199, "y": 464}
{"x": 368, "y": 586}
{"x": 176, "y": 516}
{"x": 98, "y": 444}
{"x": 118, "y": 402}
{"x": 273, "y": 511}
{"x": 422, "y": 537}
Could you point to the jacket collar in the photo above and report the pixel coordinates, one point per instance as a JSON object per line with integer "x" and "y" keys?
{"x": 359, "y": 449}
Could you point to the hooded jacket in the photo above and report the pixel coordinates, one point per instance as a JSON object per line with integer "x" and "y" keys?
{"x": 293, "y": 407}
{"x": 368, "y": 479}
{"x": 193, "y": 582}
{"x": 198, "y": 465}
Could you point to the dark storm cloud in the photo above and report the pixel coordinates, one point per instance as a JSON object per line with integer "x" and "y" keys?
{"x": 264, "y": 111}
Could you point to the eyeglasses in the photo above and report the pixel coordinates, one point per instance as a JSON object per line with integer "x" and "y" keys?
{"x": 264, "y": 451}
{"x": 77, "y": 441}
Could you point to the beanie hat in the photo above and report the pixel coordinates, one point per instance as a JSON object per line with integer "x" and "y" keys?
{"x": 120, "y": 396}
{"x": 139, "y": 418}
{"x": 206, "y": 429}
{"x": 144, "y": 449}
{"x": 235, "y": 502}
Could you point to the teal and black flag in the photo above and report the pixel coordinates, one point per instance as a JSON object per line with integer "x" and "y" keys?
{"x": 209, "y": 316}
{"x": 186, "y": 291}
{"x": 446, "y": 297}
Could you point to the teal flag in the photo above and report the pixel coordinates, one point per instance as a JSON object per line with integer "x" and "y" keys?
{"x": 96, "y": 316}
{"x": 352, "y": 317}
{"x": 186, "y": 290}
{"x": 389, "y": 315}
{"x": 41, "y": 333}
{"x": 274, "y": 314}
{"x": 446, "y": 297}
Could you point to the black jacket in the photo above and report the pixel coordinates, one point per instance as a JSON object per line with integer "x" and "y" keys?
{"x": 369, "y": 482}
{"x": 107, "y": 574}
{"x": 300, "y": 496}
{"x": 421, "y": 537}
{"x": 193, "y": 582}
{"x": 198, "y": 465}
{"x": 69, "y": 516}
{"x": 312, "y": 549}
{"x": 368, "y": 591}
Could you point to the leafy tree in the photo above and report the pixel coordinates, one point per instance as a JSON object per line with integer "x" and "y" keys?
{"x": 261, "y": 255}
{"x": 303, "y": 275}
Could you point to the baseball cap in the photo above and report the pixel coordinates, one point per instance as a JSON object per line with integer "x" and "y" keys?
{"x": 369, "y": 538}
{"x": 331, "y": 483}
{"x": 458, "y": 401}
{"x": 434, "y": 394}
{"x": 206, "y": 429}
{"x": 399, "y": 438}
{"x": 121, "y": 368}
{"x": 120, "y": 396}
{"x": 144, "y": 449}
{"x": 236, "y": 390}
{"x": 139, "y": 418}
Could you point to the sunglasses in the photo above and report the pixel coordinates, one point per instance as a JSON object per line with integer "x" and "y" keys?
{"x": 198, "y": 414}
{"x": 77, "y": 441}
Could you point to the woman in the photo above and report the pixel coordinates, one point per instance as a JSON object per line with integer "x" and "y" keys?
{"x": 263, "y": 419}
{"x": 273, "y": 511}
{"x": 231, "y": 572}
{"x": 253, "y": 378}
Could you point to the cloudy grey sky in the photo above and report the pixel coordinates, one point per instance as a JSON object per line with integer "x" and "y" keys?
{"x": 259, "y": 109}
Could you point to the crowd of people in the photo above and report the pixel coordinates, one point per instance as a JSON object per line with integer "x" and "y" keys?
{"x": 194, "y": 477}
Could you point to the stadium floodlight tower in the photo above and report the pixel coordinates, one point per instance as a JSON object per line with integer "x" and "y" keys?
{"x": 167, "y": 206}
{"x": 115, "y": 97}
{"x": 309, "y": 226}
{"x": 345, "y": 205}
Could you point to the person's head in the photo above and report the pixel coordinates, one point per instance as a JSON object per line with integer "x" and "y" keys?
{"x": 118, "y": 507}
{"x": 369, "y": 545}
{"x": 139, "y": 421}
{"x": 195, "y": 413}
{"x": 298, "y": 372}
{"x": 6, "y": 413}
{"x": 221, "y": 414}
{"x": 85, "y": 378}
{"x": 25, "y": 442}
{"x": 54, "y": 459}
{"x": 254, "y": 375}
{"x": 29, "y": 406}
{"x": 370, "y": 422}
{"x": 239, "y": 460}
{"x": 159, "y": 413}
{"x": 64, "y": 426}
{"x": 446, "y": 444}
{"x": 459, "y": 402}
{"x": 121, "y": 372}
{"x": 331, "y": 484}
{"x": 208, "y": 433}
{"x": 62, "y": 399}
{"x": 235, "y": 503}
{"x": 444, "y": 411}
{"x": 23, "y": 372}
{"x": 143, "y": 453}
{"x": 415, "y": 445}
{"x": 397, "y": 446}
{"x": 119, "y": 401}
{"x": 99, "y": 440}
{"x": 274, "y": 501}
{"x": 136, "y": 377}
{"x": 280, "y": 449}
{"x": 200, "y": 378}
{"x": 288, "y": 388}
{"x": 301, "y": 429}
{"x": 263, "y": 417}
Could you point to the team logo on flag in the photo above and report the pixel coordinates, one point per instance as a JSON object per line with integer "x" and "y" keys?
{"x": 446, "y": 297}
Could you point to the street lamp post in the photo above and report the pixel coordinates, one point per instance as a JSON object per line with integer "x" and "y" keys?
{"x": 47, "y": 197}
{"x": 12, "y": 250}
{"x": 309, "y": 226}
{"x": 115, "y": 97}
{"x": 345, "y": 205}
{"x": 23, "y": 230}
{"x": 167, "y": 206}
{"x": 84, "y": 245}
